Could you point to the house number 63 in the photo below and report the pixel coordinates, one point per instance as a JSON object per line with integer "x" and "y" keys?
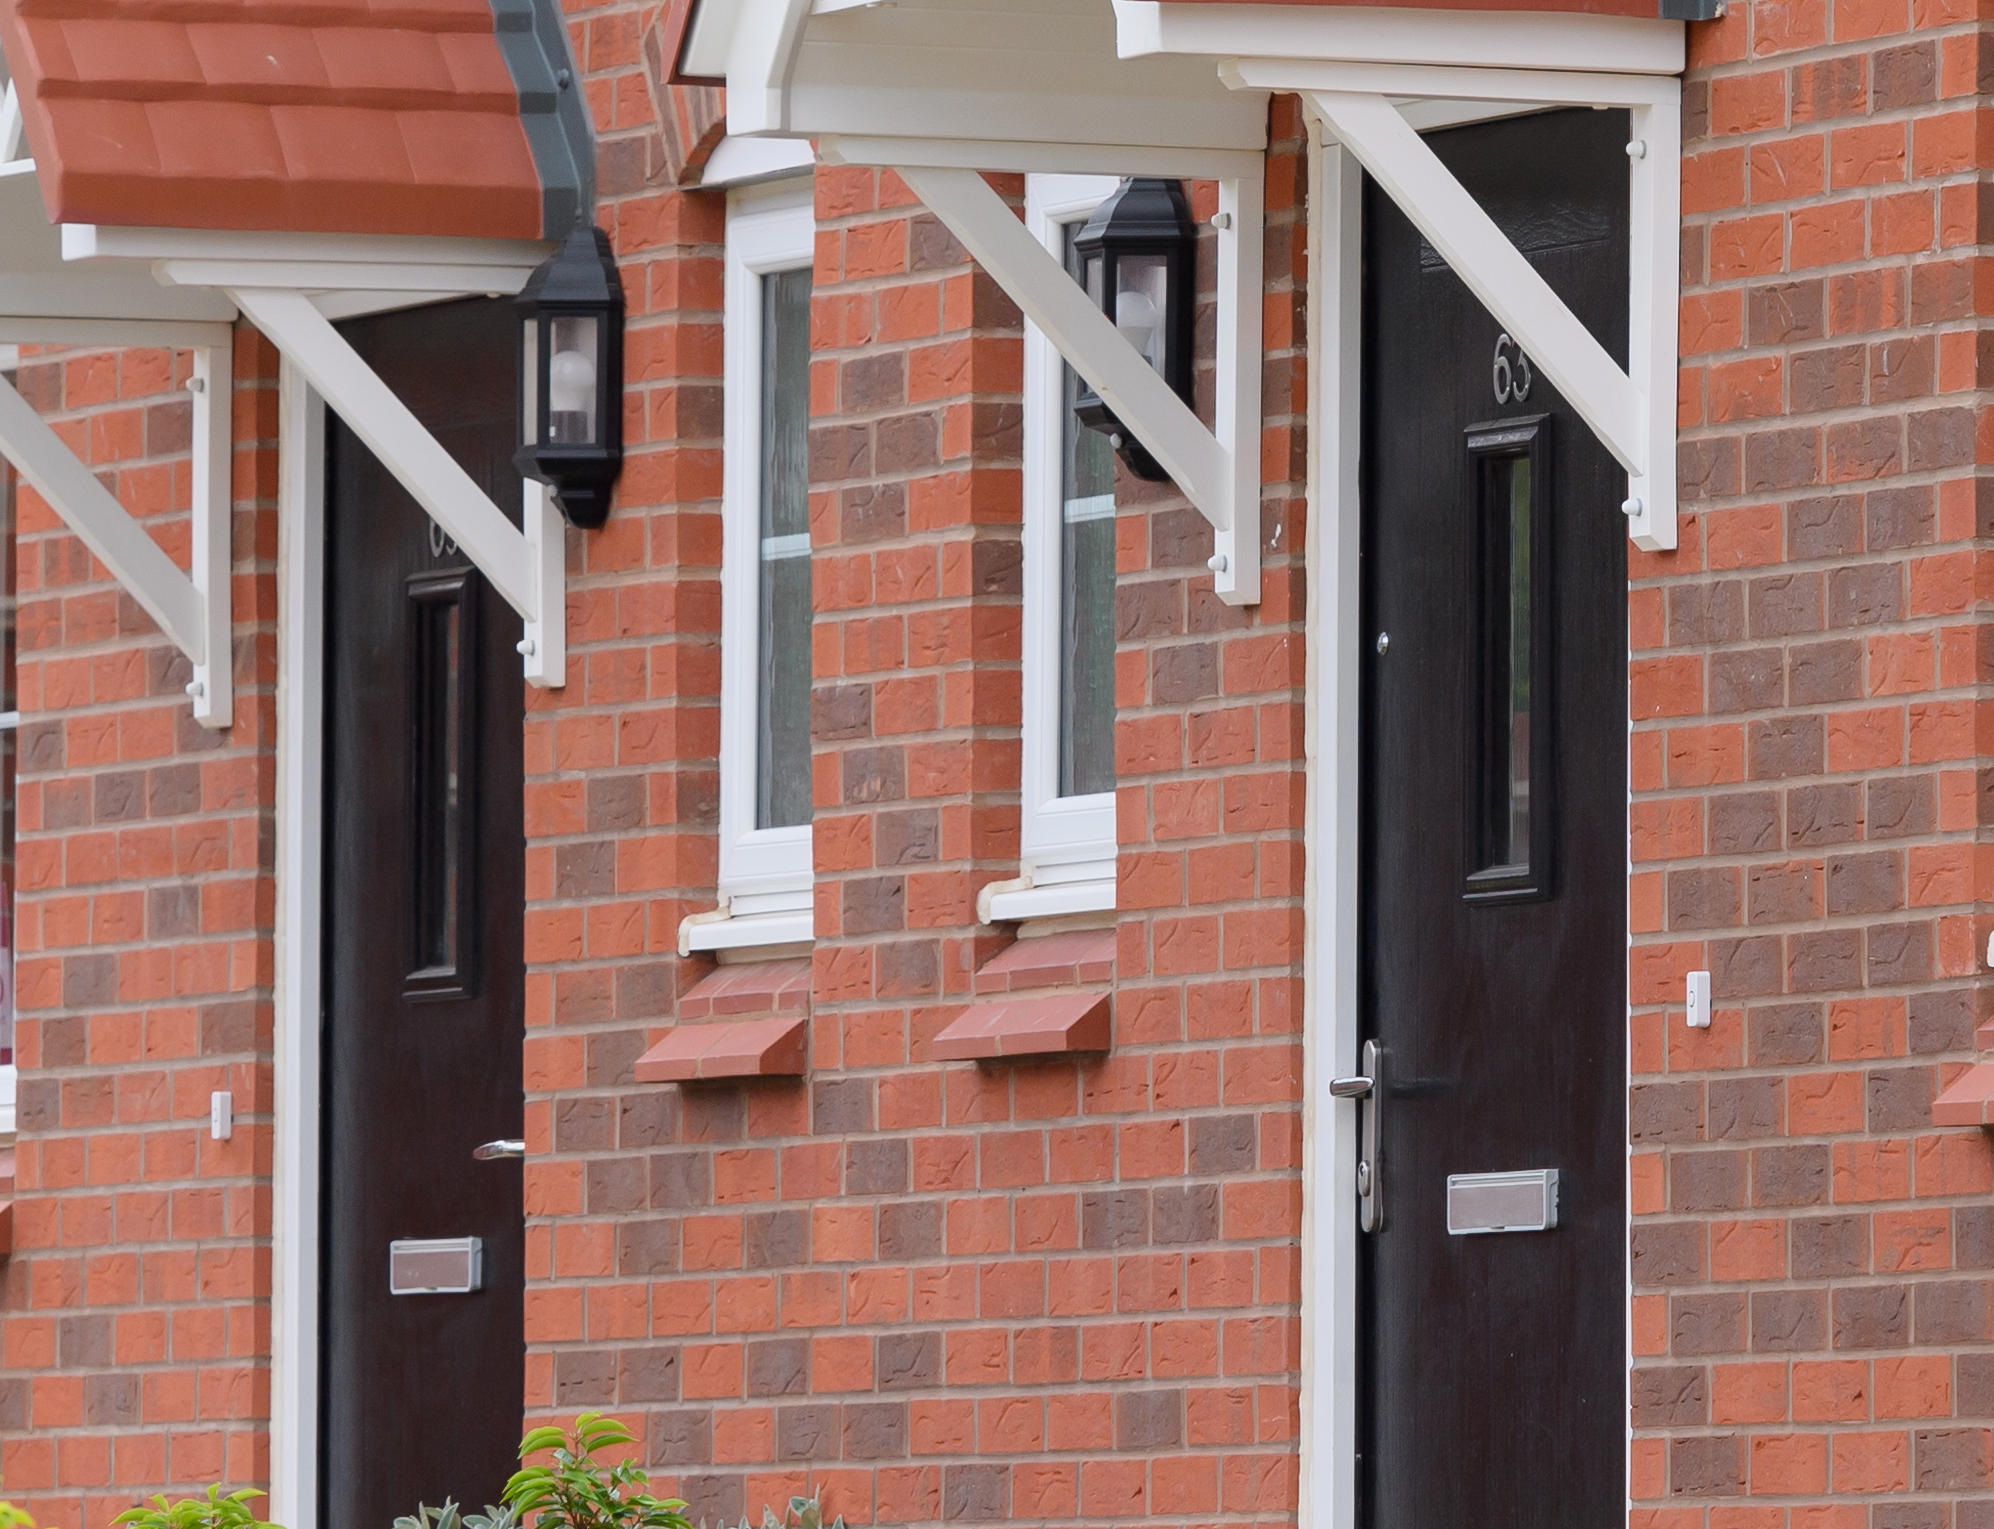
{"x": 1512, "y": 378}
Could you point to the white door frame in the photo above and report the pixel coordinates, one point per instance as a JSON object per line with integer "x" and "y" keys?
{"x": 1333, "y": 704}
{"x": 294, "y": 1327}
{"x": 1331, "y": 835}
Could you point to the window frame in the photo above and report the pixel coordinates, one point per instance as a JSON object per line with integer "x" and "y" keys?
{"x": 1067, "y": 844}
{"x": 765, "y": 873}
{"x": 10, "y": 723}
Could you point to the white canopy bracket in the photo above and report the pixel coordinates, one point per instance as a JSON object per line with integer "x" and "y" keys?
{"x": 1632, "y": 411}
{"x": 1219, "y": 471}
{"x": 12, "y": 138}
{"x": 527, "y": 567}
{"x": 193, "y": 608}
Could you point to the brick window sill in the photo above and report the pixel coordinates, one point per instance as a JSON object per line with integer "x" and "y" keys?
{"x": 749, "y": 1020}
{"x": 1968, "y": 1100}
{"x": 1046, "y": 997}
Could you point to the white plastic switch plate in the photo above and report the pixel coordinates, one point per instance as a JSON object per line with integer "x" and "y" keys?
{"x": 221, "y": 1114}
{"x": 1698, "y": 1000}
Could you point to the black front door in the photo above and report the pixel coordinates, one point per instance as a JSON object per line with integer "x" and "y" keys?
{"x": 421, "y": 1395}
{"x": 1494, "y": 864}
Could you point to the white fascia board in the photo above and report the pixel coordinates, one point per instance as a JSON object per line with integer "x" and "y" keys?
{"x": 136, "y": 299}
{"x": 742, "y": 161}
{"x": 35, "y": 283}
{"x": 1035, "y": 158}
{"x": 346, "y": 276}
{"x": 28, "y": 325}
{"x": 96, "y": 241}
{"x": 1020, "y": 71}
{"x": 188, "y": 258}
{"x": 1079, "y": 113}
{"x": 1447, "y": 82}
{"x": 1396, "y": 35}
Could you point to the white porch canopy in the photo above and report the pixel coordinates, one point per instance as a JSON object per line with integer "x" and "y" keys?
{"x": 940, "y": 90}
{"x": 87, "y": 285}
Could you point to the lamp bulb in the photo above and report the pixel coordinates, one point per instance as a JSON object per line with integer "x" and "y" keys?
{"x": 571, "y": 383}
{"x": 1136, "y": 317}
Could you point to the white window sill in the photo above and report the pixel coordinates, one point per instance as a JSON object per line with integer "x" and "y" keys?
{"x": 720, "y": 930}
{"x": 1006, "y": 902}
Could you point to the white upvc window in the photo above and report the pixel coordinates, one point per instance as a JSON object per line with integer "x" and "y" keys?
{"x": 765, "y": 864}
{"x": 1067, "y": 842}
{"x": 10, "y": 763}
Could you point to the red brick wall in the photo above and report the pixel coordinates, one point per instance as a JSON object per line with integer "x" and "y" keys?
{"x": 1200, "y": 1304}
{"x": 1068, "y": 1290}
{"x": 1811, "y": 1316}
{"x": 134, "y": 1312}
{"x": 1057, "y": 1290}
{"x": 622, "y": 788}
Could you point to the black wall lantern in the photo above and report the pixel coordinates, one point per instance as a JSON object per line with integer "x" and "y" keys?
{"x": 1135, "y": 258}
{"x": 571, "y": 376}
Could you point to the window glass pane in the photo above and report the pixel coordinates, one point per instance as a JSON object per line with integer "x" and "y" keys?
{"x": 529, "y": 382}
{"x": 1506, "y": 662}
{"x": 1087, "y": 595}
{"x": 783, "y": 710}
{"x": 438, "y": 701}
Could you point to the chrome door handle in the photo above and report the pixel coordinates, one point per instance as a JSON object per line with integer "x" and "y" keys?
{"x": 496, "y": 1151}
{"x": 1368, "y": 1090}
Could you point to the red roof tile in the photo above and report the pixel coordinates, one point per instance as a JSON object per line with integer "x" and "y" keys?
{"x": 323, "y": 116}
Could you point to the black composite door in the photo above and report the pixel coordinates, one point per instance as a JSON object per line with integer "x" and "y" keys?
{"x": 421, "y": 1395}
{"x": 1494, "y": 863}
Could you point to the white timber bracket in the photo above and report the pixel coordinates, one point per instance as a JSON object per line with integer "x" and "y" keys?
{"x": 526, "y": 564}
{"x": 1631, "y": 410}
{"x": 1218, "y": 470}
{"x": 193, "y": 608}
{"x": 13, "y": 138}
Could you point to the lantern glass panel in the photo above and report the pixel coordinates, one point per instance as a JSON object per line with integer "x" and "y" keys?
{"x": 571, "y": 380}
{"x": 529, "y": 383}
{"x": 1142, "y": 292}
